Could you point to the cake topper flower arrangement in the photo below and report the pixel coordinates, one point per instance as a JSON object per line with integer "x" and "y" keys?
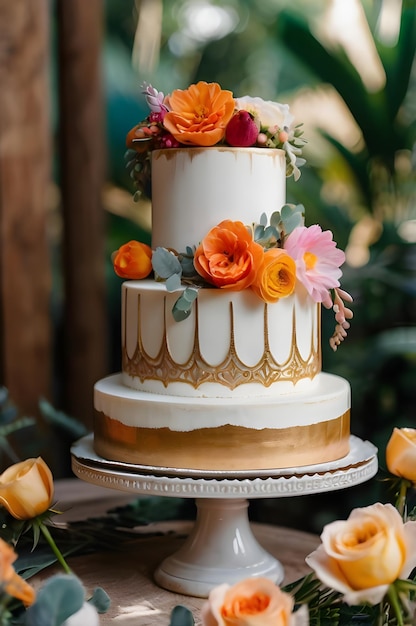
{"x": 363, "y": 572}
{"x": 205, "y": 115}
{"x": 268, "y": 258}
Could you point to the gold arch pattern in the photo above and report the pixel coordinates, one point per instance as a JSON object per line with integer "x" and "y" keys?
{"x": 232, "y": 372}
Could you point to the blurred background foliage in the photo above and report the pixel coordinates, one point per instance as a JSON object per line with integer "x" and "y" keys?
{"x": 347, "y": 69}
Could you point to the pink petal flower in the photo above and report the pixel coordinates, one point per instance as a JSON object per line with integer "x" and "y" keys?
{"x": 154, "y": 98}
{"x": 317, "y": 258}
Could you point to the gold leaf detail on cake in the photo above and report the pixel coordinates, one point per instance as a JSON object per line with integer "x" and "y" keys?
{"x": 232, "y": 372}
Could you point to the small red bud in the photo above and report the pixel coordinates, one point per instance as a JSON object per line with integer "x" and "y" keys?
{"x": 242, "y": 131}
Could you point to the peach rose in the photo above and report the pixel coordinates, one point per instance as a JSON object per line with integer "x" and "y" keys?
{"x": 10, "y": 581}
{"x": 199, "y": 115}
{"x": 362, "y": 556}
{"x": 401, "y": 453}
{"x": 133, "y": 260}
{"x": 276, "y": 277}
{"x": 251, "y": 602}
{"x": 26, "y": 488}
{"x": 228, "y": 257}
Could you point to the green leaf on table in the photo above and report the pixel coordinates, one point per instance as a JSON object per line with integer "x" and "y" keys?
{"x": 181, "y": 616}
{"x": 101, "y": 600}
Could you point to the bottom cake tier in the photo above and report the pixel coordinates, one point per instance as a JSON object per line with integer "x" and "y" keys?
{"x": 291, "y": 430}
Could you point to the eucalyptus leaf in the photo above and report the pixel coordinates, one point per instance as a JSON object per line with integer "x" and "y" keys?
{"x": 173, "y": 282}
{"x": 181, "y": 616}
{"x": 275, "y": 219}
{"x": 101, "y": 600}
{"x": 165, "y": 264}
{"x": 190, "y": 294}
{"x": 183, "y": 305}
{"x": 60, "y": 597}
{"x": 258, "y": 232}
{"x": 263, "y": 219}
{"x": 188, "y": 267}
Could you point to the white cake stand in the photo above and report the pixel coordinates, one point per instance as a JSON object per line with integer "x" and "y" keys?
{"x": 222, "y": 547}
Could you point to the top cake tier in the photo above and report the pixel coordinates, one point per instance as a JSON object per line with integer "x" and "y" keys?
{"x": 193, "y": 189}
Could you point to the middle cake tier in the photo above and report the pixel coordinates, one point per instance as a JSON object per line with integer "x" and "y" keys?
{"x": 231, "y": 345}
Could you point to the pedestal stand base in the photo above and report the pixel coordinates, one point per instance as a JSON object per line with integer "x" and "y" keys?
{"x": 220, "y": 549}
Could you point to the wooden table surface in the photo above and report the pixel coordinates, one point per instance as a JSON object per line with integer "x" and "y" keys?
{"x": 127, "y": 575}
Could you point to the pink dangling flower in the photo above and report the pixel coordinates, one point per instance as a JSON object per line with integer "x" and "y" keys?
{"x": 317, "y": 258}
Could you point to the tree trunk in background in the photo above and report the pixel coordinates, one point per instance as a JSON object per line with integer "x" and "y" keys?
{"x": 25, "y": 163}
{"x": 81, "y": 148}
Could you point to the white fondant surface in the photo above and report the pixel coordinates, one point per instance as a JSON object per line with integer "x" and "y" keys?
{"x": 328, "y": 400}
{"x": 195, "y": 189}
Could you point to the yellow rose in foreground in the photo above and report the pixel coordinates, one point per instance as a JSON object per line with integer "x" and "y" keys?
{"x": 26, "y": 488}
{"x": 276, "y": 277}
{"x": 362, "y": 556}
{"x": 401, "y": 453}
{"x": 10, "y": 581}
{"x": 251, "y": 602}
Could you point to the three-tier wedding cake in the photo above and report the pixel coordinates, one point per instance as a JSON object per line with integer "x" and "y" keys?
{"x": 221, "y": 317}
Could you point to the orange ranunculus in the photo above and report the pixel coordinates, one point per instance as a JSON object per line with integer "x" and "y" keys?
{"x": 401, "y": 453}
{"x": 276, "y": 277}
{"x": 26, "y": 488}
{"x": 199, "y": 115}
{"x": 10, "y": 581}
{"x": 133, "y": 260}
{"x": 228, "y": 257}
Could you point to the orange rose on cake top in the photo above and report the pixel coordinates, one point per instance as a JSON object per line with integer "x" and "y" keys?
{"x": 199, "y": 115}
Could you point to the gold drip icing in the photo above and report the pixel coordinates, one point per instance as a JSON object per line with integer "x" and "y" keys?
{"x": 232, "y": 372}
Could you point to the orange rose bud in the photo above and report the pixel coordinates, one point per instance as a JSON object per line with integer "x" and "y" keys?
{"x": 133, "y": 260}
{"x": 228, "y": 257}
{"x": 276, "y": 277}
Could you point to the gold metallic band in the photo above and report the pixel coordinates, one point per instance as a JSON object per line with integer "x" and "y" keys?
{"x": 224, "y": 447}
